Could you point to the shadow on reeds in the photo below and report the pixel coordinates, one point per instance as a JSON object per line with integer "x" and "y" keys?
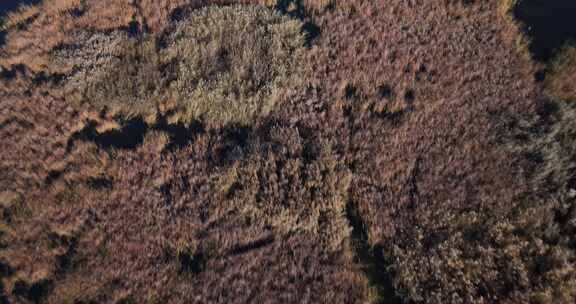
{"x": 371, "y": 260}
{"x": 132, "y": 133}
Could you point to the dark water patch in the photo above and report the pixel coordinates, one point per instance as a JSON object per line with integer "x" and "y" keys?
{"x": 296, "y": 9}
{"x": 132, "y": 134}
{"x": 65, "y": 261}
{"x": 166, "y": 191}
{"x": 133, "y": 28}
{"x": 540, "y": 76}
{"x": 50, "y": 79}
{"x": 100, "y": 183}
{"x": 13, "y": 72}
{"x": 179, "y": 14}
{"x": 191, "y": 263}
{"x": 34, "y": 292}
{"x": 549, "y": 23}
{"x": 52, "y": 176}
{"x": 77, "y": 12}
{"x": 180, "y": 134}
{"x": 409, "y": 95}
{"x": 5, "y": 73}
{"x": 3, "y": 295}
{"x": 312, "y": 32}
{"x": 129, "y": 136}
{"x": 86, "y": 133}
{"x": 385, "y": 92}
{"x": 293, "y": 8}
{"x": 351, "y": 92}
{"x": 7, "y": 6}
{"x": 5, "y": 270}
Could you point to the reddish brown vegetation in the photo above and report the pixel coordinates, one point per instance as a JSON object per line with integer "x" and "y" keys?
{"x": 560, "y": 81}
{"x": 405, "y": 118}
